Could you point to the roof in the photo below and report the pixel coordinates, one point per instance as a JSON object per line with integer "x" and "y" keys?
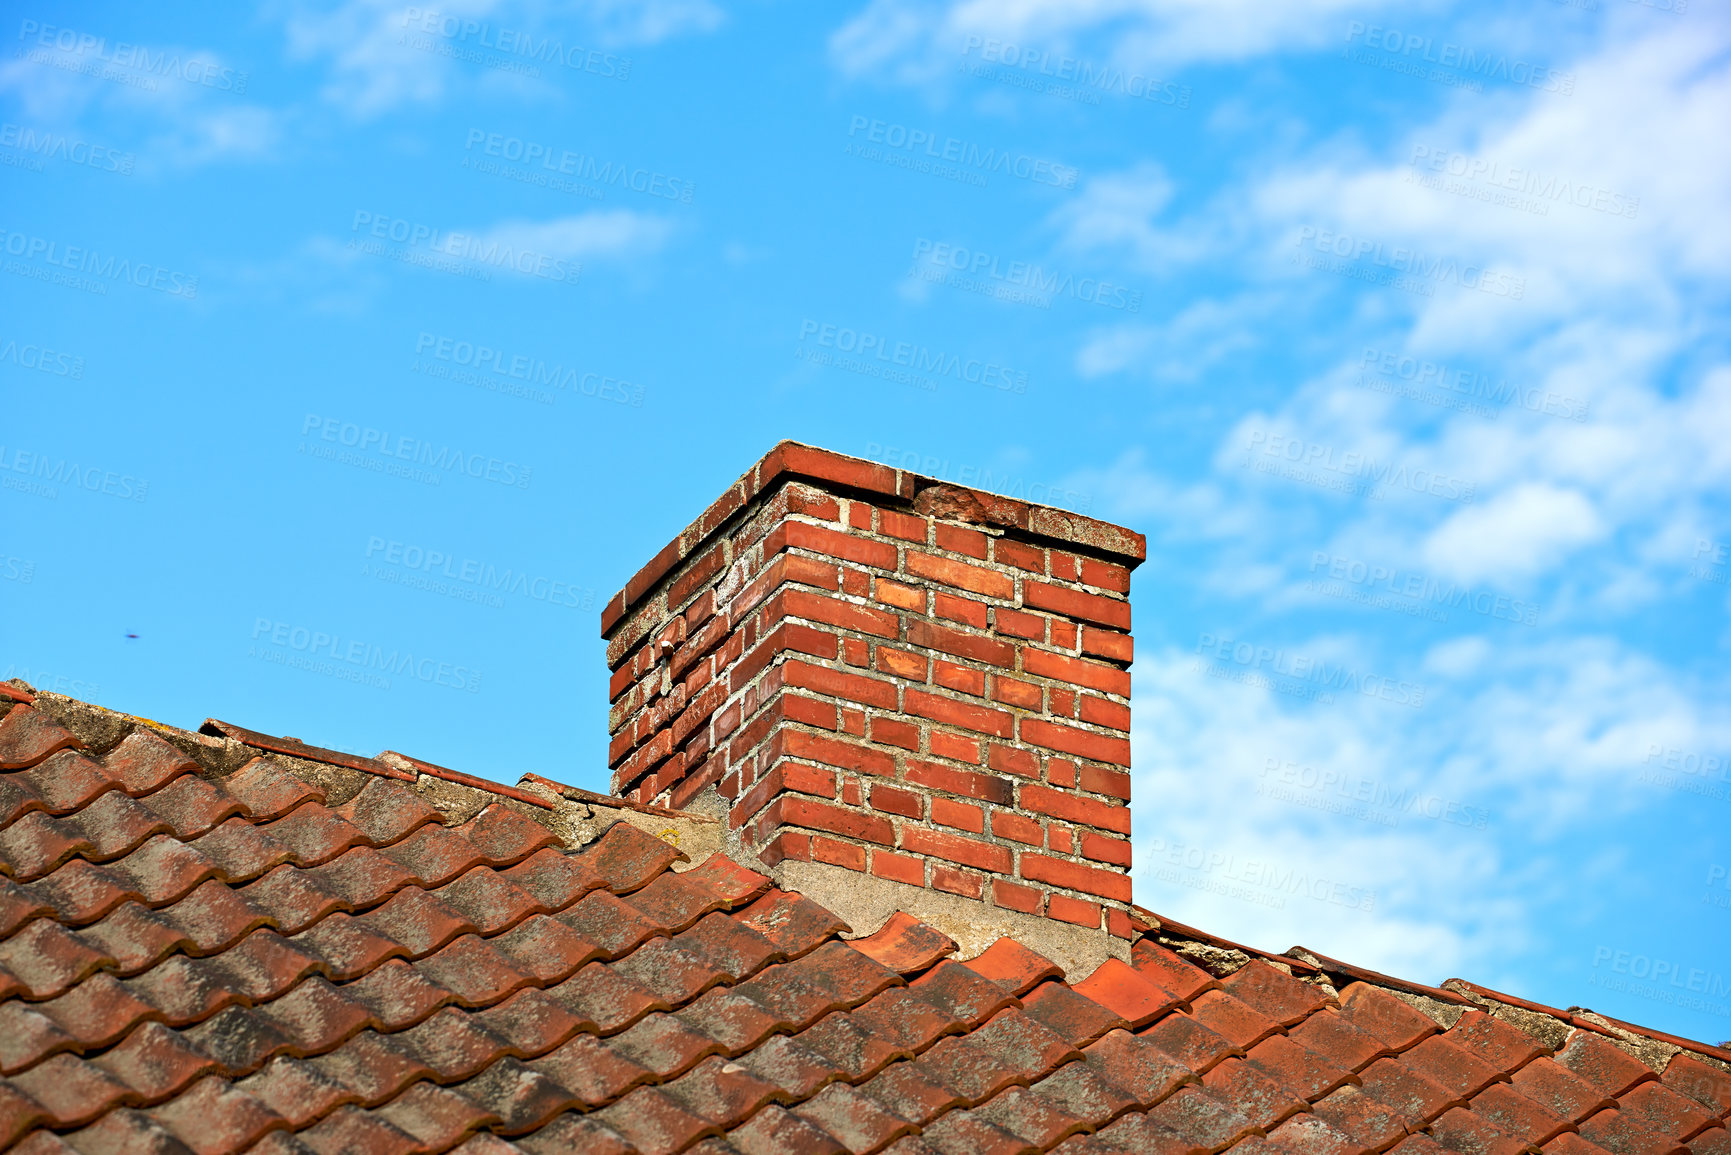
{"x": 225, "y": 942}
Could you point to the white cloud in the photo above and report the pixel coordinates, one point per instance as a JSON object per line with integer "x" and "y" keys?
{"x": 379, "y": 58}
{"x": 615, "y": 235}
{"x": 158, "y": 95}
{"x": 1547, "y": 739}
{"x": 1515, "y": 535}
{"x": 919, "y": 41}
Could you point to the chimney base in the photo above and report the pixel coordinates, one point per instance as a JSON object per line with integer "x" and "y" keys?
{"x": 865, "y": 903}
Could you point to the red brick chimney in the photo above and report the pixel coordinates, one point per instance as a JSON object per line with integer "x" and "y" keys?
{"x": 892, "y": 683}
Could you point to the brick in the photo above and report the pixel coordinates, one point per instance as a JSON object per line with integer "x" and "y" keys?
{"x": 1024, "y": 694}
{"x": 1071, "y": 740}
{"x": 832, "y": 543}
{"x": 697, "y": 575}
{"x": 902, "y": 525}
{"x": 1076, "y": 808}
{"x": 789, "y": 637}
{"x": 963, "y": 678}
{"x": 694, "y": 784}
{"x": 961, "y": 575}
{"x": 901, "y": 663}
{"x": 958, "y": 815}
{"x": 812, "y": 503}
{"x": 899, "y": 867}
{"x": 1018, "y": 624}
{"x": 1076, "y": 671}
{"x": 955, "y": 848}
{"x": 799, "y": 708}
{"x": 1062, "y": 635}
{"x": 794, "y": 810}
{"x": 967, "y": 715}
{"x": 859, "y": 515}
{"x": 839, "y": 684}
{"x": 855, "y": 583}
{"x": 895, "y": 732}
{"x": 958, "y": 609}
{"x": 931, "y": 636}
{"x": 1096, "y": 608}
{"x": 1067, "y": 909}
{"x": 1099, "y": 780}
{"x": 894, "y": 593}
{"x": 1105, "y": 575}
{"x": 1102, "y": 849}
{"x": 985, "y": 787}
{"x": 1013, "y": 760}
{"x": 788, "y": 844}
{"x": 853, "y": 721}
{"x": 837, "y": 853}
{"x": 1018, "y": 828}
{"x": 788, "y": 777}
{"x": 851, "y": 793}
{"x": 1061, "y": 839}
{"x": 958, "y": 540}
{"x": 1025, "y": 557}
{"x": 893, "y": 801}
{"x": 1061, "y": 702}
{"x": 1074, "y": 876}
{"x": 1061, "y": 772}
{"x": 1119, "y": 924}
{"x": 1065, "y": 565}
{"x": 1104, "y": 712}
{"x": 839, "y": 753}
{"x": 955, "y": 747}
{"x": 1016, "y": 896}
{"x": 1107, "y": 644}
{"x": 817, "y": 607}
{"x": 809, "y": 571}
{"x": 962, "y": 882}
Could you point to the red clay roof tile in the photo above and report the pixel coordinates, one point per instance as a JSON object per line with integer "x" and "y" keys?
{"x": 1602, "y": 1063}
{"x": 1274, "y": 993}
{"x": 1707, "y": 1085}
{"x": 1518, "y": 1115}
{"x": 1013, "y": 966}
{"x": 1466, "y": 1133}
{"x": 1303, "y": 1071}
{"x": 1621, "y": 1134}
{"x": 1384, "y": 1017}
{"x": 1074, "y": 1017}
{"x": 28, "y": 736}
{"x": 197, "y": 959}
{"x": 906, "y": 945}
{"x": 1370, "y": 1122}
{"x": 1123, "y": 990}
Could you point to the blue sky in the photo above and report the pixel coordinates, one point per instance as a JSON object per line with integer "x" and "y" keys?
{"x": 1401, "y": 333}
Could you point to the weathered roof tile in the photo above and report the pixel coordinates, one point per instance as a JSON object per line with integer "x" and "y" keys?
{"x": 193, "y": 960}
